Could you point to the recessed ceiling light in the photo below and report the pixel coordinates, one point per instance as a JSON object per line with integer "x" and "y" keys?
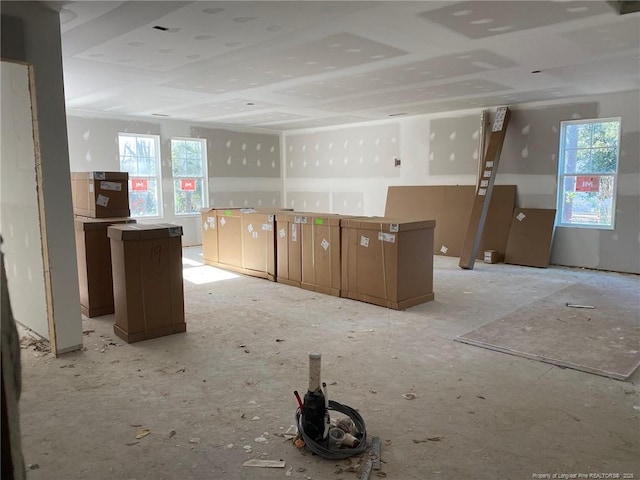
{"x": 160, "y": 27}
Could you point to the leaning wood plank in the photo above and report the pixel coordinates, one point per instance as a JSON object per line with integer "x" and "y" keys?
{"x": 264, "y": 463}
{"x": 484, "y": 189}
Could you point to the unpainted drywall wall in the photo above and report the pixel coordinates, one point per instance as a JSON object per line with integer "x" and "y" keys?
{"x": 443, "y": 150}
{"x": 19, "y": 213}
{"x": 40, "y": 36}
{"x": 243, "y": 167}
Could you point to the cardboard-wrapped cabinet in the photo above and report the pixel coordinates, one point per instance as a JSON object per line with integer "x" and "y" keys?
{"x": 321, "y": 253}
{"x": 209, "y": 235}
{"x": 94, "y": 264}
{"x": 147, "y": 280}
{"x": 240, "y": 239}
{"x": 387, "y": 262}
{"x": 288, "y": 248}
{"x": 100, "y": 194}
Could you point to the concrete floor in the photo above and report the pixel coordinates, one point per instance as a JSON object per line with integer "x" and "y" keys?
{"x": 230, "y": 378}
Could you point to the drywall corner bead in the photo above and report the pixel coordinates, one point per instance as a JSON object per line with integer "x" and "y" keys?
{"x": 521, "y": 216}
{"x": 443, "y": 249}
{"x": 364, "y": 241}
{"x": 102, "y": 200}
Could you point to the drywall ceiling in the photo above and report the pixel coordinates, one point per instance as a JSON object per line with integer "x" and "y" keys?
{"x": 289, "y": 65}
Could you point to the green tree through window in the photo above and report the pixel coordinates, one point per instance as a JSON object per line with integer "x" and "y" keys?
{"x": 188, "y": 165}
{"x": 587, "y": 172}
{"x": 140, "y": 157}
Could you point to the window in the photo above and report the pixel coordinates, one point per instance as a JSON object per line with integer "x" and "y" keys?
{"x": 189, "y": 166}
{"x": 140, "y": 156}
{"x": 587, "y": 173}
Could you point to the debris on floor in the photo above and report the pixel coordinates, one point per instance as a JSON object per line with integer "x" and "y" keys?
{"x": 573, "y": 305}
{"x": 143, "y": 433}
{"x": 409, "y": 396}
{"x": 264, "y": 463}
{"x": 38, "y": 344}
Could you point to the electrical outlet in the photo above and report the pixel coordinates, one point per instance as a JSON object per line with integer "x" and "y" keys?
{"x": 396, "y": 162}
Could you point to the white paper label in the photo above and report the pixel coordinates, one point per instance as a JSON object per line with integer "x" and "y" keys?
{"x": 267, "y": 227}
{"x": 102, "y": 200}
{"x": 301, "y": 220}
{"x": 211, "y": 221}
{"x": 250, "y": 228}
{"x": 489, "y": 164}
{"x": 205, "y": 225}
{"x": 254, "y": 234}
{"x": 482, "y": 192}
{"x": 294, "y": 232}
{"x": 271, "y": 218}
{"x": 443, "y": 249}
{"x": 222, "y": 222}
{"x": 364, "y": 241}
{"x": 282, "y": 232}
{"x": 99, "y": 175}
{"x": 113, "y": 186}
{"x": 386, "y": 237}
{"x": 521, "y": 216}
{"x": 394, "y": 227}
{"x": 324, "y": 244}
{"x": 487, "y": 173}
{"x": 91, "y": 188}
{"x": 484, "y": 183}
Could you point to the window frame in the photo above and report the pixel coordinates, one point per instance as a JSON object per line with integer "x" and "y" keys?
{"x": 157, "y": 177}
{"x": 205, "y": 175}
{"x": 561, "y": 175}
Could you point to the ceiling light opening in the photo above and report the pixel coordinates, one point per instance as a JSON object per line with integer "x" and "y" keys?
{"x": 161, "y": 28}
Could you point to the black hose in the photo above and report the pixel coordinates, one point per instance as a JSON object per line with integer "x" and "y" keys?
{"x": 342, "y": 453}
